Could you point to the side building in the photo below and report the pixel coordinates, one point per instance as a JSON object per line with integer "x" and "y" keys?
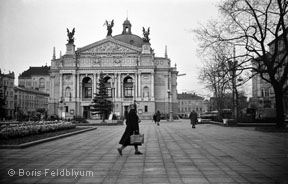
{"x": 30, "y": 101}
{"x": 7, "y": 95}
{"x": 263, "y": 95}
{"x": 188, "y": 102}
{"x": 35, "y": 78}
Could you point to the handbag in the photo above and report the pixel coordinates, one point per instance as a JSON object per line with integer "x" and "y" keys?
{"x": 137, "y": 139}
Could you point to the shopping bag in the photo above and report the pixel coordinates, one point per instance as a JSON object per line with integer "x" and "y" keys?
{"x": 137, "y": 139}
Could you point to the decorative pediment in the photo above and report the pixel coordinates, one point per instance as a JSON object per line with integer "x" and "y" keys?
{"x": 108, "y": 46}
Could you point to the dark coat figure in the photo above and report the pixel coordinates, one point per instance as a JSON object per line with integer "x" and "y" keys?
{"x": 157, "y": 118}
{"x": 154, "y": 118}
{"x": 132, "y": 125}
{"x": 125, "y": 114}
{"x": 193, "y": 118}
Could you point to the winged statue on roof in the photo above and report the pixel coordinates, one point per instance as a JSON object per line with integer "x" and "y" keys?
{"x": 146, "y": 35}
{"x": 70, "y": 35}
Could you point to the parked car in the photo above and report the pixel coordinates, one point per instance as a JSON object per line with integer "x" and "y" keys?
{"x": 207, "y": 116}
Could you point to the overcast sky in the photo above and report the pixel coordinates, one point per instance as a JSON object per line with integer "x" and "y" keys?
{"x": 29, "y": 29}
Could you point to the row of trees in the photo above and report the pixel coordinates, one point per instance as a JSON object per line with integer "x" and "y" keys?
{"x": 237, "y": 44}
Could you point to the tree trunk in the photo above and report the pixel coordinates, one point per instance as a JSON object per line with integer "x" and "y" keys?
{"x": 279, "y": 108}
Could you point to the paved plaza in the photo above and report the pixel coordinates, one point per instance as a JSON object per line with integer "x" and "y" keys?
{"x": 173, "y": 153}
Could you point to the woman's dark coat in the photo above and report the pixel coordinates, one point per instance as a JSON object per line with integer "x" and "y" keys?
{"x": 158, "y": 116}
{"x": 132, "y": 126}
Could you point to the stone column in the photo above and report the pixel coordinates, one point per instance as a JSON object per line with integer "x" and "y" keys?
{"x": 152, "y": 85}
{"x": 139, "y": 85}
{"x": 94, "y": 84}
{"x": 115, "y": 85}
{"x": 119, "y": 85}
{"x": 96, "y": 81}
{"x": 79, "y": 87}
{"x": 60, "y": 85}
{"x": 134, "y": 91}
{"x": 74, "y": 84}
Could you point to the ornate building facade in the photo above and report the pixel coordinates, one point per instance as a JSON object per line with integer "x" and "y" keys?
{"x": 132, "y": 73}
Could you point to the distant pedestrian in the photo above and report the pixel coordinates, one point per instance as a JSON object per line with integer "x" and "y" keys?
{"x": 158, "y": 117}
{"x": 132, "y": 125}
{"x": 193, "y": 118}
{"x": 154, "y": 118}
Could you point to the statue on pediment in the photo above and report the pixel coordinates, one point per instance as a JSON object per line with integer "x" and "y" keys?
{"x": 70, "y": 35}
{"x": 109, "y": 27}
{"x": 146, "y": 35}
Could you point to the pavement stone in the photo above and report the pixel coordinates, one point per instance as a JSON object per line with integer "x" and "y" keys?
{"x": 173, "y": 153}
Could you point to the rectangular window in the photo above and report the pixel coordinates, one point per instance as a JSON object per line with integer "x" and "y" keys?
{"x": 146, "y": 108}
{"x": 88, "y": 92}
{"x": 262, "y": 92}
{"x": 109, "y": 92}
{"x": 266, "y": 92}
{"x": 66, "y": 108}
{"x": 128, "y": 92}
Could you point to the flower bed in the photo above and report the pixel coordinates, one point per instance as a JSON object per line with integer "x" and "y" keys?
{"x": 32, "y": 128}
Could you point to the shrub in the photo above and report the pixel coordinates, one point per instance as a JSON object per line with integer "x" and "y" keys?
{"x": 32, "y": 128}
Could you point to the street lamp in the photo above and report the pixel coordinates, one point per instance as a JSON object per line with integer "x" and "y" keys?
{"x": 170, "y": 105}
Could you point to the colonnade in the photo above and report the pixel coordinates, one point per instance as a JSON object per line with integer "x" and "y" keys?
{"x": 117, "y": 84}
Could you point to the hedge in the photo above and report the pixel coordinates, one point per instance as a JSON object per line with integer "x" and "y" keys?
{"x": 32, "y": 128}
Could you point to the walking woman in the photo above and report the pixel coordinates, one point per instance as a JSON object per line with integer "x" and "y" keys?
{"x": 193, "y": 118}
{"x": 132, "y": 125}
{"x": 158, "y": 117}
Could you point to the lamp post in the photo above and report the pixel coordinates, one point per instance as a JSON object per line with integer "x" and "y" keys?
{"x": 232, "y": 71}
{"x": 170, "y": 105}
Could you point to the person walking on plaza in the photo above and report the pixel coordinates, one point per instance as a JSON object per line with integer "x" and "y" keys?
{"x": 193, "y": 118}
{"x": 132, "y": 125}
{"x": 154, "y": 118}
{"x": 158, "y": 118}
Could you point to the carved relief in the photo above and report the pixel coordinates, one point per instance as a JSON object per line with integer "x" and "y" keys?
{"x": 108, "y": 47}
{"x": 145, "y": 77}
{"x": 67, "y": 79}
{"x": 69, "y": 62}
{"x": 107, "y": 61}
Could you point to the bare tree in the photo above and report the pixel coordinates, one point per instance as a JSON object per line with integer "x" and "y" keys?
{"x": 216, "y": 78}
{"x": 252, "y": 26}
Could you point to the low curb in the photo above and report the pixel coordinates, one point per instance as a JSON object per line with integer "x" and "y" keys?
{"x": 28, "y": 144}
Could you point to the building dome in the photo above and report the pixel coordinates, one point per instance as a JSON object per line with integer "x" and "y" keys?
{"x": 127, "y": 35}
{"x": 126, "y": 22}
{"x": 130, "y": 39}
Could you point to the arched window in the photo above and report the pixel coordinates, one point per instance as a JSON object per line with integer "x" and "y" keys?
{"x": 68, "y": 92}
{"x": 128, "y": 87}
{"x": 41, "y": 83}
{"x": 87, "y": 87}
{"x": 146, "y": 91}
{"x": 108, "y": 85}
